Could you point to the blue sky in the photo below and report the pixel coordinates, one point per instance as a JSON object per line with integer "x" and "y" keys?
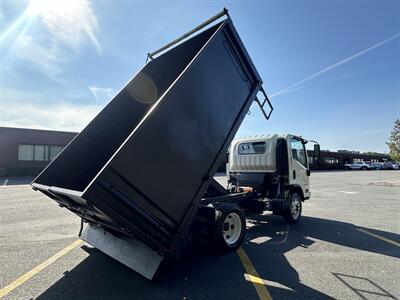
{"x": 331, "y": 68}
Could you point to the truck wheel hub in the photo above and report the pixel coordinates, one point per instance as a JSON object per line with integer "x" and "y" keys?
{"x": 295, "y": 207}
{"x": 232, "y": 228}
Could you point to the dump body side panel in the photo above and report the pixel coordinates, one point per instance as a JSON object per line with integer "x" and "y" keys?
{"x": 84, "y": 157}
{"x": 166, "y": 162}
{"x": 143, "y": 164}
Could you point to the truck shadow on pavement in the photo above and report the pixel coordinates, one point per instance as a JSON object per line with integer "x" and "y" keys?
{"x": 203, "y": 276}
{"x": 282, "y": 279}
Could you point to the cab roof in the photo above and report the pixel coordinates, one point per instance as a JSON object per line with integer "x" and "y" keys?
{"x": 264, "y": 137}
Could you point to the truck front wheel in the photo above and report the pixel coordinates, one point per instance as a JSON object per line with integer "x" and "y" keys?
{"x": 230, "y": 227}
{"x": 292, "y": 213}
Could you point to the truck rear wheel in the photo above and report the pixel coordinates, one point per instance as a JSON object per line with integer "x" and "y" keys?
{"x": 292, "y": 213}
{"x": 230, "y": 227}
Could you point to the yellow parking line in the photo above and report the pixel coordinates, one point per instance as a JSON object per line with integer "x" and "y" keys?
{"x": 4, "y": 291}
{"x": 379, "y": 237}
{"x": 253, "y": 276}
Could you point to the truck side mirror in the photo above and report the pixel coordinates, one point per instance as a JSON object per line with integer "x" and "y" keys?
{"x": 317, "y": 151}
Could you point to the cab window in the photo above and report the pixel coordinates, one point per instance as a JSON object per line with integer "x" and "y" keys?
{"x": 298, "y": 151}
{"x": 252, "y": 148}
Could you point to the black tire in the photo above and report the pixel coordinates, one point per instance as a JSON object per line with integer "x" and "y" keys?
{"x": 230, "y": 228}
{"x": 292, "y": 213}
{"x": 347, "y": 168}
{"x": 364, "y": 168}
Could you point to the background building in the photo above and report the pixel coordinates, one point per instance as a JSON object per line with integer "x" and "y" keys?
{"x": 25, "y": 152}
{"x": 337, "y": 160}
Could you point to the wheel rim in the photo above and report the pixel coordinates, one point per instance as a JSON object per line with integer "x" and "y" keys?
{"x": 295, "y": 207}
{"x": 232, "y": 228}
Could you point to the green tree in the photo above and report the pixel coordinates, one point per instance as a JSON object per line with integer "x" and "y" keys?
{"x": 394, "y": 142}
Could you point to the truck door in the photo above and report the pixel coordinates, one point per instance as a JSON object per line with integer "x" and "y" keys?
{"x": 299, "y": 165}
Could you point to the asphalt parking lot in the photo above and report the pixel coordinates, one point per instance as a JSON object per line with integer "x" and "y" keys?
{"x": 347, "y": 246}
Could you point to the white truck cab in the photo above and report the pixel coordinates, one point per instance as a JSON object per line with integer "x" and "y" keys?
{"x": 275, "y": 165}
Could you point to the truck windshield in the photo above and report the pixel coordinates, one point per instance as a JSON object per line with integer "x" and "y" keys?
{"x": 298, "y": 151}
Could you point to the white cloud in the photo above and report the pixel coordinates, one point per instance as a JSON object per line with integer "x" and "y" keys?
{"x": 101, "y": 95}
{"x": 70, "y": 22}
{"x": 23, "y": 109}
{"x": 45, "y": 59}
{"x": 66, "y": 25}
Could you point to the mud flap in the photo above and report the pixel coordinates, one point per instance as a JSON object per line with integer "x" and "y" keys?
{"x": 133, "y": 253}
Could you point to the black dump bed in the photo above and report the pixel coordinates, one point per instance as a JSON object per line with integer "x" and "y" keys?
{"x": 143, "y": 164}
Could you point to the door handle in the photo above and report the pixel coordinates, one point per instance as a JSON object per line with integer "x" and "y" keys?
{"x": 294, "y": 174}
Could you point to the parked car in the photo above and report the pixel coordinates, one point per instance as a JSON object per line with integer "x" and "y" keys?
{"x": 359, "y": 165}
{"x": 377, "y": 166}
{"x": 391, "y": 166}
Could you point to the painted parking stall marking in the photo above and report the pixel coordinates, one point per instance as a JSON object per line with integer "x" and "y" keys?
{"x": 5, "y": 183}
{"x": 379, "y": 237}
{"x": 16, "y": 283}
{"x": 252, "y": 275}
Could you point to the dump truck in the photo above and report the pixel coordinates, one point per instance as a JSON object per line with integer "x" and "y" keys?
{"x": 274, "y": 168}
{"x": 140, "y": 175}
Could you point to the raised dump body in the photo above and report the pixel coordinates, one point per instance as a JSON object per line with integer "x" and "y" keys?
{"x": 142, "y": 165}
